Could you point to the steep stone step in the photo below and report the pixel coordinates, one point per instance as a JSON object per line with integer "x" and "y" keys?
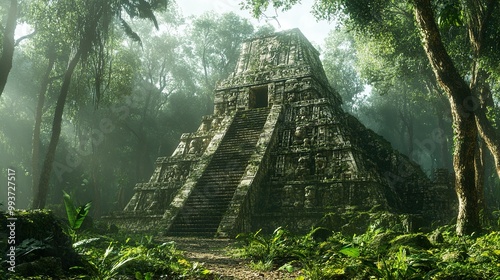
{"x": 209, "y": 212}
{"x": 209, "y": 200}
{"x": 199, "y": 222}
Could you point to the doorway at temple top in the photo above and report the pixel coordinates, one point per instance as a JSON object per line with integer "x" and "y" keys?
{"x": 258, "y": 97}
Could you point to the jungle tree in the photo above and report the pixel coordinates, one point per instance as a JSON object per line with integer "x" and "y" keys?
{"x": 340, "y": 63}
{"x": 8, "y": 43}
{"x": 89, "y": 23}
{"x": 215, "y": 44}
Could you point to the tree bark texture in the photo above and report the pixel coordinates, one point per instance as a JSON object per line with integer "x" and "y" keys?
{"x": 43, "y": 184}
{"x": 479, "y": 16}
{"x": 444, "y": 152}
{"x": 480, "y": 172}
{"x": 483, "y": 101}
{"x": 8, "y": 45}
{"x": 464, "y": 125}
{"x": 35, "y": 156}
{"x": 84, "y": 47}
{"x": 490, "y": 136}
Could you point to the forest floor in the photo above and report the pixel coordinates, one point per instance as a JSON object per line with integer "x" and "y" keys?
{"x": 217, "y": 255}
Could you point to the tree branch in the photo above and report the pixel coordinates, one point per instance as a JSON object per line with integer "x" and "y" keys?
{"x": 20, "y": 39}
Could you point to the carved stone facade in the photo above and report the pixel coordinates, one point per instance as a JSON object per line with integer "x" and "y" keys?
{"x": 278, "y": 150}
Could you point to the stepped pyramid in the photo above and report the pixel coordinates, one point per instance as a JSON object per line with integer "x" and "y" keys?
{"x": 278, "y": 150}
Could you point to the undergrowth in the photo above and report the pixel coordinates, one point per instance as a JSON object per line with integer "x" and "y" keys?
{"x": 376, "y": 254}
{"x": 129, "y": 257}
{"x": 137, "y": 258}
{"x": 98, "y": 256}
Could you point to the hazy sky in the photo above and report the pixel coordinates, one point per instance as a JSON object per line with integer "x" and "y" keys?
{"x": 300, "y": 16}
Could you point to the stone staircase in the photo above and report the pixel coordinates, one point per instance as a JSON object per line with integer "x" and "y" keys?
{"x": 205, "y": 207}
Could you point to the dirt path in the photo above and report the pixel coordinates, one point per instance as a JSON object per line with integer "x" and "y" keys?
{"x": 214, "y": 255}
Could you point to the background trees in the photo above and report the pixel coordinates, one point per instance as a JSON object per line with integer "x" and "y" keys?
{"x": 400, "y": 103}
{"x": 7, "y": 41}
{"x": 88, "y": 26}
{"x": 340, "y": 59}
{"x": 127, "y": 101}
{"x": 214, "y": 40}
{"x": 111, "y": 101}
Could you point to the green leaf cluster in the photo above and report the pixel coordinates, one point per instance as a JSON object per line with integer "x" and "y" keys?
{"x": 76, "y": 215}
{"x": 377, "y": 254}
{"x": 136, "y": 258}
{"x": 259, "y": 7}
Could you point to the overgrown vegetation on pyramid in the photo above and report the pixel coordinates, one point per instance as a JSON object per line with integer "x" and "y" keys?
{"x": 279, "y": 151}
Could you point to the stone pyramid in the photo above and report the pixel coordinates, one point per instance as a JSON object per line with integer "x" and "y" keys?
{"x": 278, "y": 151}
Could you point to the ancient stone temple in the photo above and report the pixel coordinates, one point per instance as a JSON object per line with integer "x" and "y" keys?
{"x": 277, "y": 151}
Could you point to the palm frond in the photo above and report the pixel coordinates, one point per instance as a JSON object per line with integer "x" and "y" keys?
{"x": 129, "y": 32}
{"x": 146, "y": 12}
{"x": 143, "y": 8}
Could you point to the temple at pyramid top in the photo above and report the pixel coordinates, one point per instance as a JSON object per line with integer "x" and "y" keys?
{"x": 279, "y": 57}
{"x": 288, "y": 48}
{"x": 279, "y": 150}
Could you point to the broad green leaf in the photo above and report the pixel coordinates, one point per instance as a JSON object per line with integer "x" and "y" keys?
{"x": 350, "y": 252}
{"x": 70, "y": 209}
{"x": 85, "y": 241}
{"x": 82, "y": 212}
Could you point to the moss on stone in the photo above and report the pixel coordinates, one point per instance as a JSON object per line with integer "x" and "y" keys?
{"x": 42, "y": 246}
{"x": 416, "y": 241}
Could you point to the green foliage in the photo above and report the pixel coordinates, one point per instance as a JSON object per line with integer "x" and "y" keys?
{"x": 126, "y": 105}
{"x": 215, "y": 44}
{"x": 350, "y": 252}
{"x": 401, "y": 103}
{"x": 259, "y": 7}
{"x": 107, "y": 266}
{"x": 143, "y": 258}
{"x": 404, "y": 265}
{"x": 30, "y": 245}
{"x": 75, "y": 215}
{"x": 288, "y": 252}
{"x": 339, "y": 61}
{"x": 341, "y": 257}
{"x": 450, "y": 14}
{"x": 267, "y": 251}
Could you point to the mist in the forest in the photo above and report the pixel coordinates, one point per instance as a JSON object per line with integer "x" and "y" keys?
{"x": 132, "y": 97}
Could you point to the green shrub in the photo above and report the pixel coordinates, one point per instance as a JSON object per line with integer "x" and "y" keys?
{"x": 377, "y": 254}
{"x": 143, "y": 259}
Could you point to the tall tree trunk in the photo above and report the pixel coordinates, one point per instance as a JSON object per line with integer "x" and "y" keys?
{"x": 8, "y": 45}
{"x": 35, "y": 156}
{"x": 440, "y": 107}
{"x": 490, "y": 136}
{"x": 478, "y": 16}
{"x": 407, "y": 127}
{"x": 464, "y": 125}
{"x": 43, "y": 185}
{"x": 465, "y": 133}
{"x": 480, "y": 173}
{"x": 488, "y": 133}
{"x": 142, "y": 141}
{"x": 444, "y": 152}
{"x": 96, "y": 190}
